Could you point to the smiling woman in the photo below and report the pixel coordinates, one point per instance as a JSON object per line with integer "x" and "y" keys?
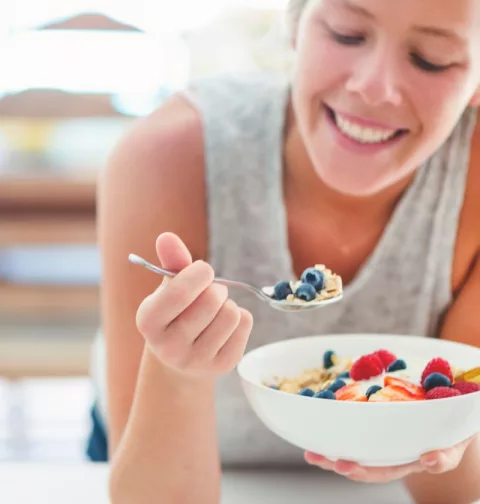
{"x": 364, "y": 159}
{"x": 406, "y": 78}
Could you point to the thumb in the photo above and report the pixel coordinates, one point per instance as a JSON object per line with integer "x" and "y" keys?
{"x": 172, "y": 252}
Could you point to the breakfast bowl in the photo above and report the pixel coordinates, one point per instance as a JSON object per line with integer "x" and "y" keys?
{"x": 373, "y": 431}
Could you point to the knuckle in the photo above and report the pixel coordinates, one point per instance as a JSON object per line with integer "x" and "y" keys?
{"x": 226, "y": 360}
{"x": 172, "y": 354}
{"x": 145, "y": 319}
{"x": 231, "y": 312}
{"x": 204, "y": 270}
{"x": 218, "y": 294}
{"x": 247, "y": 319}
{"x": 224, "y": 365}
{"x": 178, "y": 295}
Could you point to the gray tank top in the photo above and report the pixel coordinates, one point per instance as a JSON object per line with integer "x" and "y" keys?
{"x": 404, "y": 287}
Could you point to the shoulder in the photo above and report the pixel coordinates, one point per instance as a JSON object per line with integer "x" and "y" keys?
{"x": 247, "y": 100}
{"x": 154, "y": 178}
{"x": 472, "y": 194}
{"x": 468, "y": 238}
{"x": 158, "y": 135}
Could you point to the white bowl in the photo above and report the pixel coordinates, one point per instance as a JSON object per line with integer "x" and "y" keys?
{"x": 371, "y": 434}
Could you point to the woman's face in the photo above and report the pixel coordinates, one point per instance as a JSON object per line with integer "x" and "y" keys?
{"x": 379, "y": 85}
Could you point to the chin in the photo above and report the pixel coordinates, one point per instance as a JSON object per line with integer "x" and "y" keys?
{"x": 350, "y": 183}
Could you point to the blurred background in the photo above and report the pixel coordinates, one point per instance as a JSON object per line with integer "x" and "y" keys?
{"x": 74, "y": 75}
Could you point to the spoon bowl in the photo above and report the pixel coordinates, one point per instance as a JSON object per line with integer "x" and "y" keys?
{"x": 264, "y": 293}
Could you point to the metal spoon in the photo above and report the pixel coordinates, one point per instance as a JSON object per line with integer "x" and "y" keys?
{"x": 265, "y": 293}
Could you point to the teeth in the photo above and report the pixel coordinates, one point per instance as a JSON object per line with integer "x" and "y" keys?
{"x": 363, "y": 135}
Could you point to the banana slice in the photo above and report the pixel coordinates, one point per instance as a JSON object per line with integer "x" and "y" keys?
{"x": 472, "y": 375}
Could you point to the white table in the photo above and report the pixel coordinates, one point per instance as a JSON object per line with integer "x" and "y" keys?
{"x": 87, "y": 483}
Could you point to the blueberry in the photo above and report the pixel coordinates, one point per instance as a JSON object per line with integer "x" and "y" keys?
{"x": 325, "y": 394}
{"x": 328, "y": 359}
{"x": 345, "y": 374}
{"x": 307, "y": 392}
{"x": 372, "y": 390}
{"x": 314, "y": 277}
{"x": 397, "y": 365}
{"x": 306, "y": 292}
{"x": 436, "y": 380}
{"x": 282, "y": 290}
{"x": 337, "y": 385}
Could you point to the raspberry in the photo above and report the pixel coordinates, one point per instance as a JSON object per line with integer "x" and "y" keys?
{"x": 437, "y": 365}
{"x": 442, "y": 393}
{"x": 366, "y": 367}
{"x": 386, "y": 357}
{"x": 466, "y": 387}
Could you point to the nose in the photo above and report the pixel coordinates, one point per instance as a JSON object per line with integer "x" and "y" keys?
{"x": 375, "y": 78}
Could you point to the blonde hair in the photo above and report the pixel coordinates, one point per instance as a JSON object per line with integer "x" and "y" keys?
{"x": 294, "y": 13}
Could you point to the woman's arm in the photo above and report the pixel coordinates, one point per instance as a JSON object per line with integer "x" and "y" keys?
{"x": 462, "y": 485}
{"x": 462, "y": 324}
{"x": 163, "y": 448}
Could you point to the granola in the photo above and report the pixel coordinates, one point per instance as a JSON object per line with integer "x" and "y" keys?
{"x": 317, "y": 283}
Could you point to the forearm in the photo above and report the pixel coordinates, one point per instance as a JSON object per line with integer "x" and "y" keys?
{"x": 168, "y": 453}
{"x": 460, "y": 486}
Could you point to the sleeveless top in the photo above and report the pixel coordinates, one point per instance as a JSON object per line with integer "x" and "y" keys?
{"x": 404, "y": 287}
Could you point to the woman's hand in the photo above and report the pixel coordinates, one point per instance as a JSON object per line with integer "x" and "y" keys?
{"x": 435, "y": 462}
{"x": 189, "y": 322}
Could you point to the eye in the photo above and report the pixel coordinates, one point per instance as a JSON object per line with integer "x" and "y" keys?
{"x": 346, "y": 39}
{"x": 426, "y": 65}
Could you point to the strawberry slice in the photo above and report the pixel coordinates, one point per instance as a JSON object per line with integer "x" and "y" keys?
{"x": 415, "y": 391}
{"x": 351, "y": 392}
{"x": 392, "y": 393}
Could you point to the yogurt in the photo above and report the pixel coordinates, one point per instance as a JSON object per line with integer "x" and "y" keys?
{"x": 413, "y": 373}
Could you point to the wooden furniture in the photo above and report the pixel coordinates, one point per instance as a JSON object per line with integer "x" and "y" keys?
{"x": 47, "y": 211}
{"x": 47, "y": 330}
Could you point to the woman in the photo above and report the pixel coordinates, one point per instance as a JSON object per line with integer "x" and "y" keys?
{"x": 367, "y": 160}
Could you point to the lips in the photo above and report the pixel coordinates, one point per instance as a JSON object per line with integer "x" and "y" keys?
{"x": 364, "y": 132}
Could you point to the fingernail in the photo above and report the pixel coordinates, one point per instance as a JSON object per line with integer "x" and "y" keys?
{"x": 430, "y": 462}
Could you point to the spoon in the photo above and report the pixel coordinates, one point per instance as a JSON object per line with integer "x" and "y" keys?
{"x": 265, "y": 293}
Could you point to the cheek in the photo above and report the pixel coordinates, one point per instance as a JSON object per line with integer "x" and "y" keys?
{"x": 439, "y": 102}
{"x": 321, "y": 65}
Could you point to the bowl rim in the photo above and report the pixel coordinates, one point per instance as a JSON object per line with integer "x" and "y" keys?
{"x": 348, "y": 404}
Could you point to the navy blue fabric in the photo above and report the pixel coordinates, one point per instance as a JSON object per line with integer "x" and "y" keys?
{"x": 97, "y": 446}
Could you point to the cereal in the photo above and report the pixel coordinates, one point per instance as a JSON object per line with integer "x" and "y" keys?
{"x": 316, "y": 284}
{"x": 316, "y": 379}
{"x": 379, "y": 377}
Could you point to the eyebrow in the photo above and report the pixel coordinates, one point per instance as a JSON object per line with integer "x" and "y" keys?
{"x": 439, "y": 32}
{"x": 425, "y": 30}
{"x": 357, "y": 9}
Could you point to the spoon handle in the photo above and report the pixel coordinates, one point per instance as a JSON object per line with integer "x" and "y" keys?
{"x": 133, "y": 258}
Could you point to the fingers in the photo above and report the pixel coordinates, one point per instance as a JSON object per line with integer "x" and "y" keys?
{"x": 384, "y": 474}
{"x": 163, "y": 306}
{"x": 221, "y": 328}
{"x": 231, "y": 352}
{"x": 437, "y": 462}
{"x": 198, "y": 315}
{"x": 356, "y": 472}
{"x": 189, "y": 322}
{"x": 172, "y": 252}
{"x": 319, "y": 460}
